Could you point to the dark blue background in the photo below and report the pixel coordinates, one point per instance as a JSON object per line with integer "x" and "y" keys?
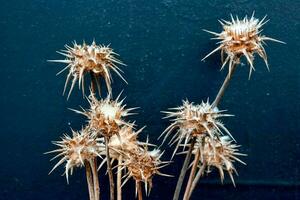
{"x": 162, "y": 43}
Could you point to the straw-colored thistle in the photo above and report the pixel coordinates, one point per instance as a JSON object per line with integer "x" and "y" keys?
{"x": 125, "y": 141}
{"x": 241, "y": 38}
{"x": 75, "y": 150}
{"x": 220, "y": 153}
{"x": 122, "y": 143}
{"x": 106, "y": 116}
{"x": 190, "y": 120}
{"x": 142, "y": 165}
{"x": 97, "y": 60}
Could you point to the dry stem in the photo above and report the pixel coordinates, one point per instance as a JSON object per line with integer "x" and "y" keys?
{"x": 93, "y": 83}
{"x": 199, "y": 174}
{"x": 93, "y": 163}
{"x": 183, "y": 170}
{"x": 95, "y": 179}
{"x": 119, "y": 179}
{"x": 109, "y": 170}
{"x": 139, "y": 190}
{"x": 192, "y": 175}
{"x": 89, "y": 180}
{"x": 224, "y": 86}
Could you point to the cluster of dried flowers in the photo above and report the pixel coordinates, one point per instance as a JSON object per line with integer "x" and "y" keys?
{"x": 108, "y": 135}
{"x": 197, "y": 129}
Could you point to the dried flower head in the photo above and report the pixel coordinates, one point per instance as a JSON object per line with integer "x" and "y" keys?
{"x": 220, "y": 153}
{"x": 190, "y": 120}
{"x": 125, "y": 141}
{"x": 98, "y": 60}
{"x": 76, "y": 150}
{"x": 241, "y": 38}
{"x": 105, "y": 116}
{"x": 142, "y": 165}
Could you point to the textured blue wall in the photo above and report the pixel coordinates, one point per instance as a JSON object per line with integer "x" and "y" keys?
{"x": 162, "y": 43}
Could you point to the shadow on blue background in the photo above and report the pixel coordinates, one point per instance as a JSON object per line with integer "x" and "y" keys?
{"x": 162, "y": 43}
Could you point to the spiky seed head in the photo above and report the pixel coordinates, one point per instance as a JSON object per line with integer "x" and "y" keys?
{"x": 191, "y": 120}
{"x": 75, "y": 150}
{"x": 105, "y": 116}
{"x": 220, "y": 153}
{"x": 97, "y": 60}
{"x": 241, "y": 38}
{"x": 123, "y": 142}
{"x": 142, "y": 165}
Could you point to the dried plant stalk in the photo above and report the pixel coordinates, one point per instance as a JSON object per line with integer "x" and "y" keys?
{"x": 119, "y": 178}
{"x": 94, "y": 162}
{"x": 95, "y": 179}
{"x": 109, "y": 170}
{"x": 224, "y": 86}
{"x": 139, "y": 190}
{"x": 93, "y": 84}
{"x": 196, "y": 179}
{"x": 192, "y": 175}
{"x": 89, "y": 179}
{"x": 183, "y": 170}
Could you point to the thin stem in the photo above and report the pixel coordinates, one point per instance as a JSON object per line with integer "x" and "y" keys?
{"x": 183, "y": 170}
{"x": 93, "y": 82}
{"x": 89, "y": 180}
{"x": 196, "y": 180}
{"x": 95, "y": 179}
{"x": 119, "y": 178}
{"x": 192, "y": 175}
{"x": 94, "y": 162}
{"x": 224, "y": 86}
{"x": 139, "y": 190}
{"x": 109, "y": 170}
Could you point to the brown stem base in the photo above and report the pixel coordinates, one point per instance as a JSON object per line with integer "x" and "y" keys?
{"x": 89, "y": 179}
{"x": 183, "y": 170}
{"x": 196, "y": 180}
{"x": 119, "y": 179}
{"x": 109, "y": 170}
{"x": 139, "y": 190}
{"x": 95, "y": 179}
{"x": 192, "y": 175}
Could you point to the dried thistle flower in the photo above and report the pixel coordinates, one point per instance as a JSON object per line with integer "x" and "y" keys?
{"x": 125, "y": 141}
{"x": 190, "y": 120}
{"x": 98, "y": 60}
{"x": 241, "y": 38}
{"x": 220, "y": 153}
{"x": 105, "y": 116}
{"x": 142, "y": 165}
{"x": 75, "y": 150}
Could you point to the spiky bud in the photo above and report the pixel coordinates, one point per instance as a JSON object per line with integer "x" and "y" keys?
{"x": 241, "y": 38}
{"x": 97, "y": 60}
